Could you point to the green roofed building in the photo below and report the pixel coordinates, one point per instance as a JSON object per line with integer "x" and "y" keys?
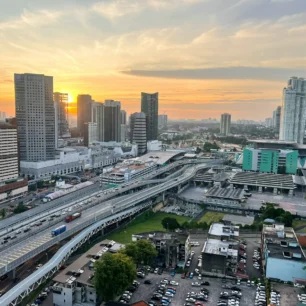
{"x": 270, "y": 160}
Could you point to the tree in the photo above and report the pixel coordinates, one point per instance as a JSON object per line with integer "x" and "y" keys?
{"x": 141, "y": 251}
{"x": 113, "y": 274}
{"x": 3, "y": 213}
{"x": 170, "y": 224}
{"x": 20, "y": 209}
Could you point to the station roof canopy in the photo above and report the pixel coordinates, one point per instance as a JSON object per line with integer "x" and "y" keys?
{"x": 160, "y": 157}
{"x": 224, "y": 193}
{"x": 259, "y": 179}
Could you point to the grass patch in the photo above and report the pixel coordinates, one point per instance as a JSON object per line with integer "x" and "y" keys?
{"x": 146, "y": 222}
{"x": 299, "y": 223}
{"x": 211, "y": 216}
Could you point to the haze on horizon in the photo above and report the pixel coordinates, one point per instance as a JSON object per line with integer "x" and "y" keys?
{"x": 204, "y": 57}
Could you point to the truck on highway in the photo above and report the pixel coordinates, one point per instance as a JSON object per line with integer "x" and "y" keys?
{"x": 71, "y": 217}
{"x": 58, "y": 230}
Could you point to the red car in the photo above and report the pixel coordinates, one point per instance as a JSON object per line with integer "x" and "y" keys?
{"x": 183, "y": 275}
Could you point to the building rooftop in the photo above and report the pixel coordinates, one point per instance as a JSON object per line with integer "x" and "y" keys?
{"x": 174, "y": 237}
{"x": 218, "y": 247}
{"x": 259, "y": 179}
{"x": 282, "y": 243}
{"x": 236, "y": 219}
{"x": 81, "y": 270}
{"x": 292, "y": 144}
{"x": 219, "y": 229}
{"x": 225, "y": 193}
{"x": 159, "y": 157}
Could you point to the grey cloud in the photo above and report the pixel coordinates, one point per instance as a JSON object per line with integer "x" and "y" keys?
{"x": 254, "y": 73}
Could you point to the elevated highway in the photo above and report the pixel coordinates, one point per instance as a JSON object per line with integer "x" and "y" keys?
{"x": 15, "y": 222}
{"x": 93, "y": 220}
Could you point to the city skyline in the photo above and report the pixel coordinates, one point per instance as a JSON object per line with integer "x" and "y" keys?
{"x": 117, "y": 49}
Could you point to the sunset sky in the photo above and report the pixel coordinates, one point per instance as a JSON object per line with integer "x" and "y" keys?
{"x": 204, "y": 57}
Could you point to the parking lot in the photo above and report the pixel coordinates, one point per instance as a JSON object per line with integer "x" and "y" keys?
{"x": 288, "y": 294}
{"x": 145, "y": 292}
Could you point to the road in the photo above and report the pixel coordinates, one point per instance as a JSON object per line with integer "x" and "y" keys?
{"x": 14, "y": 255}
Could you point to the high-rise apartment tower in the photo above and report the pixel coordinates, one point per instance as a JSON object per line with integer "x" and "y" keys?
{"x": 225, "y": 124}
{"x": 112, "y": 125}
{"x": 292, "y": 122}
{"x": 149, "y": 106}
{"x": 35, "y": 116}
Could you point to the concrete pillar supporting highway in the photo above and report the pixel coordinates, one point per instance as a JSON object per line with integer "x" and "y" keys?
{"x": 194, "y": 184}
{"x": 291, "y": 192}
{"x": 117, "y": 224}
{"x": 12, "y": 274}
{"x": 260, "y": 189}
{"x": 102, "y": 232}
{"x": 231, "y": 186}
{"x": 275, "y": 190}
{"x": 245, "y": 187}
{"x": 163, "y": 196}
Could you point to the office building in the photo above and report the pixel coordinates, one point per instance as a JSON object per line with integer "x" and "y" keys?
{"x": 225, "y": 124}
{"x": 162, "y": 121}
{"x": 123, "y": 116}
{"x": 138, "y": 131}
{"x": 84, "y": 112}
{"x": 283, "y": 258}
{"x": 100, "y": 121}
{"x": 149, "y": 106}
{"x": 292, "y": 123}
{"x": 276, "y": 119}
{"x": 112, "y": 120}
{"x": 61, "y": 115}
{"x": 35, "y": 116}
{"x": 270, "y": 160}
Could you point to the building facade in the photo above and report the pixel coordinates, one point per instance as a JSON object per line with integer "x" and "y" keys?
{"x": 61, "y": 114}
{"x": 35, "y": 116}
{"x": 123, "y": 116}
{"x": 69, "y": 161}
{"x": 91, "y": 133}
{"x": 220, "y": 251}
{"x": 138, "y": 131}
{"x": 149, "y": 106}
{"x": 112, "y": 119}
{"x": 100, "y": 121}
{"x": 84, "y": 112}
{"x": 281, "y": 248}
{"x": 276, "y": 119}
{"x": 270, "y": 161}
{"x": 225, "y": 124}
{"x": 292, "y": 123}
{"x": 9, "y": 163}
{"x": 162, "y": 121}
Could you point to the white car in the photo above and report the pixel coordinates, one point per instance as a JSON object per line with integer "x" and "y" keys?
{"x": 196, "y": 284}
{"x": 169, "y": 294}
{"x": 173, "y": 283}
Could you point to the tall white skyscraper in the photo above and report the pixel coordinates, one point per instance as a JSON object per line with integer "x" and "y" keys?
{"x": 225, "y": 124}
{"x": 35, "y": 116}
{"x": 292, "y": 123}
